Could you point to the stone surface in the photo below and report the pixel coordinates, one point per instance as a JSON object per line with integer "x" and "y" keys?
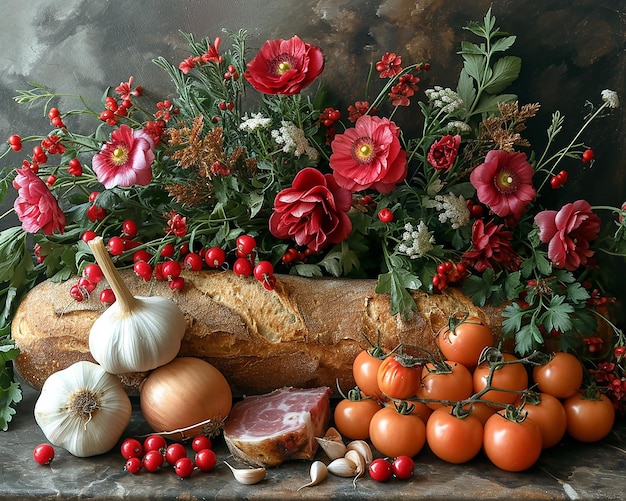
{"x": 567, "y": 471}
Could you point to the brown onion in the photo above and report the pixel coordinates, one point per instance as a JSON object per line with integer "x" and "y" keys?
{"x": 185, "y": 397}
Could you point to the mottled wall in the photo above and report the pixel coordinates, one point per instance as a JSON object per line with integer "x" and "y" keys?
{"x": 571, "y": 50}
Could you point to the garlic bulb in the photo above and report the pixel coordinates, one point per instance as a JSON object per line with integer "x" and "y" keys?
{"x": 83, "y": 409}
{"x": 135, "y": 334}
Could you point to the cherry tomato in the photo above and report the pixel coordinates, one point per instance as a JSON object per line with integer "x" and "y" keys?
{"x": 589, "y": 420}
{"x": 422, "y": 410}
{"x": 561, "y": 376}
{"x": 174, "y": 452}
{"x": 511, "y": 445}
{"x": 402, "y": 467}
{"x": 365, "y": 371}
{"x": 131, "y": 448}
{"x": 205, "y": 459}
{"x": 511, "y": 377}
{"x": 452, "y": 381}
{"x": 155, "y": 443}
{"x": 454, "y": 439}
{"x": 397, "y": 378}
{"x": 380, "y": 470}
{"x": 352, "y": 416}
{"x": 549, "y": 414}
{"x": 200, "y": 442}
{"x": 133, "y": 465}
{"x": 43, "y": 453}
{"x": 480, "y": 410}
{"x": 183, "y": 467}
{"x": 394, "y": 434}
{"x": 152, "y": 460}
{"x": 464, "y": 341}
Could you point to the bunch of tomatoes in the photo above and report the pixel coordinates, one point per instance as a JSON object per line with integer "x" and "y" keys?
{"x": 472, "y": 398}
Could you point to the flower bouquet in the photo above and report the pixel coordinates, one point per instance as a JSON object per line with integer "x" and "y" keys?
{"x": 253, "y": 167}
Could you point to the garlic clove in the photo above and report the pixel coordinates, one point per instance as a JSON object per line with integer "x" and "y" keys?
{"x": 332, "y": 448}
{"x": 247, "y": 476}
{"x": 358, "y": 460}
{"x": 333, "y": 435}
{"x": 318, "y": 472}
{"x": 363, "y": 448}
{"x": 342, "y": 467}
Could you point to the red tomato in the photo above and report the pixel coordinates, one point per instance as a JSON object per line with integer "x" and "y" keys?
{"x": 464, "y": 341}
{"x": 454, "y": 439}
{"x": 481, "y": 411}
{"x": 452, "y": 383}
{"x": 511, "y": 377}
{"x": 589, "y": 420}
{"x": 422, "y": 410}
{"x": 549, "y": 415}
{"x": 352, "y": 417}
{"x": 397, "y": 380}
{"x": 395, "y": 434}
{"x": 561, "y": 376}
{"x": 365, "y": 372}
{"x": 511, "y": 445}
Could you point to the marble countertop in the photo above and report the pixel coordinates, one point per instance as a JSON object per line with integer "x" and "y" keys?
{"x": 567, "y": 471}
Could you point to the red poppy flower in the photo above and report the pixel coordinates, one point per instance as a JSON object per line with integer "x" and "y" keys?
{"x": 126, "y": 159}
{"x": 491, "y": 245}
{"x": 442, "y": 153}
{"x": 313, "y": 212}
{"x": 35, "y": 206}
{"x": 504, "y": 182}
{"x": 369, "y": 155}
{"x": 285, "y": 66}
{"x": 389, "y": 65}
{"x": 568, "y": 233}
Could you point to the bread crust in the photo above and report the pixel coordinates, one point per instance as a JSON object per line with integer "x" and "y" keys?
{"x": 305, "y": 333}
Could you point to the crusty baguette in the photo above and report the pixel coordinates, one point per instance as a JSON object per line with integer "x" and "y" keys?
{"x": 305, "y": 333}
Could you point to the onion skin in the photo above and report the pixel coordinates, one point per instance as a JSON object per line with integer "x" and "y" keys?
{"x": 183, "y": 393}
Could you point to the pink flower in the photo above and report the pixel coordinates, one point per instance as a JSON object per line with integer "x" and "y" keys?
{"x": 285, "y": 66}
{"x": 568, "y": 233}
{"x": 490, "y": 244}
{"x": 369, "y": 155}
{"x": 35, "y": 206}
{"x": 125, "y": 89}
{"x": 313, "y": 212}
{"x": 442, "y": 153}
{"x": 504, "y": 182}
{"x": 126, "y": 159}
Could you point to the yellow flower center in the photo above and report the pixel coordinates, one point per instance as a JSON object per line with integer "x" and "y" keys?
{"x": 119, "y": 156}
{"x": 506, "y": 182}
{"x": 283, "y": 67}
{"x": 363, "y": 150}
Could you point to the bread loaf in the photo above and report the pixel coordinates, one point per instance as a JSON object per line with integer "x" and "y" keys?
{"x": 305, "y": 333}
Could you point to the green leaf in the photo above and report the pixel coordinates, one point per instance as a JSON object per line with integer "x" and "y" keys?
{"x": 513, "y": 318}
{"x": 465, "y": 88}
{"x": 472, "y": 48}
{"x": 396, "y": 283}
{"x": 503, "y": 44}
{"x": 10, "y": 392}
{"x": 489, "y": 104}
{"x": 557, "y": 315}
{"x": 307, "y": 270}
{"x": 475, "y": 66}
{"x": 504, "y": 72}
{"x": 576, "y": 293}
{"x": 524, "y": 340}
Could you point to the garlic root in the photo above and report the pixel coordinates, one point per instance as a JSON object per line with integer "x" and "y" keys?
{"x": 318, "y": 472}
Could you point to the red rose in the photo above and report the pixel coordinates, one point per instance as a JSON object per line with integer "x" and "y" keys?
{"x": 313, "y": 212}
{"x": 568, "y": 233}
{"x": 442, "y": 153}
{"x": 35, "y": 206}
{"x": 285, "y": 66}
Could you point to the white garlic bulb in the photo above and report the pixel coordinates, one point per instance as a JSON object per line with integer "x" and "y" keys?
{"x": 134, "y": 334}
{"x": 83, "y": 409}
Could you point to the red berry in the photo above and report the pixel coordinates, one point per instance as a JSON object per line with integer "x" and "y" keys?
{"x": 562, "y": 175}
{"x": 152, "y": 460}
{"x": 269, "y": 282}
{"x": 168, "y": 250}
{"x": 588, "y": 155}
{"x": 402, "y": 467}
{"x": 116, "y": 246}
{"x": 177, "y": 284}
{"x": 200, "y": 442}
{"x": 88, "y": 235}
{"x": 245, "y": 245}
{"x": 171, "y": 269}
{"x": 143, "y": 270}
{"x": 174, "y": 452}
{"x": 129, "y": 227}
{"x": 86, "y": 285}
{"x": 53, "y": 112}
{"x": 215, "y": 257}
{"x": 131, "y": 448}
{"x": 155, "y": 443}
{"x": 555, "y": 182}
{"x": 93, "y": 195}
{"x": 96, "y": 213}
{"x": 93, "y": 272}
{"x": 380, "y": 470}
{"x": 43, "y": 453}
{"x": 133, "y": 465}
{"x": 205, "y": 460}
{"x": 75, "y": 168}
{"x": 15, "y": 142}
{"x": 263, "y": 269}
{"x": 183, "y": 467}
{"x": 77, "y": 293}
{"x": 107, "y": 296}
{"x": 242, "y": 267}
{"x": 141, "y": 255}
{"x": 193, "y": 262}
{"x": 385, "y": 215}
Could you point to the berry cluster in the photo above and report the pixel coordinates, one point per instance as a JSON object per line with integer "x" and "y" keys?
{"x": 382, "y": 469}
{"x": 448, "y": 273}
{"x": 559, "y": 180}
{"x": 155, "y": 453}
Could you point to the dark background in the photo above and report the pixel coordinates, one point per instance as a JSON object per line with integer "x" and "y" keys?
{"x": 571, "y": 51}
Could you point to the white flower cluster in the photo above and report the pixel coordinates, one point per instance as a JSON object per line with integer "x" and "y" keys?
{"x": 294, "y": 141}
{"x": 416, "y": 242}
{"x": 454, "y": 209}
{"x": 456, "y": 126}
{"x": 611, "y": 98}
{"x": 445, "y": 99}
{"x": 255, "y": 122}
